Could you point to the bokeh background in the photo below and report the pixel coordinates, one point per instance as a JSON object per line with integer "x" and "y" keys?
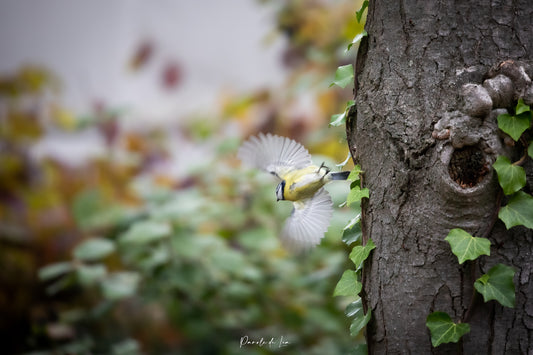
{"x": 127, "y": 225}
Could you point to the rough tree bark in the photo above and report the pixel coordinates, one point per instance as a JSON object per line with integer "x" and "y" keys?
{"x": 425, "y": 142}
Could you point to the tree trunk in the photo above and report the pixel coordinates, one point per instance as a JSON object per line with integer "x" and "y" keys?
{"x": 426, "y": 177}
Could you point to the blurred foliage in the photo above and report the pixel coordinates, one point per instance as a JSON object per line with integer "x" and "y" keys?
{"x": 129, "y": 251}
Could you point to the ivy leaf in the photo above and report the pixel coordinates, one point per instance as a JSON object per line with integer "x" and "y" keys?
{"x": 356, "y": 39}
{"x": 514, "y": 125}
{"x": 354, "y": 308}
{"x": 444, "y": 330}
{"x": 465, "y": 246}
{"x": 360, "y": 253}
{"x": 359, "y": 14}
{"x": 519, "y": 211}
{"x": 348, "y": 285}
{"x": 337, "y": 119}
{"x": 497, "y": 284}
{"x": 352, "y": 232}
{"x": 359, "y": 323}
{"x": 521, "y": 107}
{"x": 354, "y": 174}
{"x": 356, "y": 194}
{"x": 94, "y": 249}
{"x": 511, "y": 177}
{"x": 343, "y": 76}
{"x": 530, "y": 150}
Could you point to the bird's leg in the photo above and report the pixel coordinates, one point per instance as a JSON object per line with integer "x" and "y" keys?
{"x": 323, "y": 165}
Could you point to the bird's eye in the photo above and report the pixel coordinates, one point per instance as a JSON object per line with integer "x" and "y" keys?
{"x": 279, "y": 190}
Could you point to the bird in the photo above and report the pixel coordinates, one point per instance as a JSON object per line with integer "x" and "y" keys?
{"x": 301, "y": 182}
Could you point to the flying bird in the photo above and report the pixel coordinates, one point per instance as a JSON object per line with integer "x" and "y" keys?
{"x": 300, "y": 182}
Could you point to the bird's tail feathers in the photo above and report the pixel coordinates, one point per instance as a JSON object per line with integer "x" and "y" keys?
{"x": 343, "y": 175}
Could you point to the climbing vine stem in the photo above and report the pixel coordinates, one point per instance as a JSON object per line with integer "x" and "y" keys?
{"x": 350, "y": 283}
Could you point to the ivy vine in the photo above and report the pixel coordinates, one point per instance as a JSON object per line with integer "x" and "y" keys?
{"x": 350, "y": 284}
{"x": 497, "y": 284}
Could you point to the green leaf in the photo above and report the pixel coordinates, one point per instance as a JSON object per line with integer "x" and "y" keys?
{"x": 356, "y": 39}
{"x": 92, "y": 209}
{"x": 356, "y": 194}
{"x": 144, "y": 232}
{"x": 338, "y": 119}
{"x": 530, "y": 150}
{"x": 497, "y": 284}
{"x": 354, "y": 308}
{"x": 54, "y": 270}
{"x": 94, "y": 249}
{"x": 230, "y": 261}
{"x": 353, "y": 221}
{"x": 354, "y": 174}
{"x": 352, "y": 232}
{"x": 348, "y": 284}
{"x": 518, "y": 211}
{"x": 190, "y": 246}
{"x": 90, "y": 274}
{"x": 465, "y": 246}
{"x": 343, "y": 76}
{"x": 154, "y": 257}
{"x": 359, "y": 14}
{"x": 260, "y": 238}
{"x": 521, "y": 107}
{"x": 359, "y": 323}
{"x": 120, "y": 285}
{"x": 360, "y": 253}
{"x": 511, "y": 177}
{"x": 444, "y": 330}
{"x": 514, "y": 125}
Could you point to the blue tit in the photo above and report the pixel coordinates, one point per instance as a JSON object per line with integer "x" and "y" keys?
{"x": 301, "y": 182}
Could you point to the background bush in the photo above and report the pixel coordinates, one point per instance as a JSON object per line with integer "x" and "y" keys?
{"x": 117, "y": 255}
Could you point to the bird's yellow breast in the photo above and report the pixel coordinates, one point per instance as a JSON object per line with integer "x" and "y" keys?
{"x": 303, "y": 183}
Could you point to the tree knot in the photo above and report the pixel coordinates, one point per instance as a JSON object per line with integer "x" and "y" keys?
{"x": 468, "y": 166}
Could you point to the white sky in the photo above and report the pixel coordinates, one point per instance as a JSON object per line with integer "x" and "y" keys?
{"x": 88, "y": 44}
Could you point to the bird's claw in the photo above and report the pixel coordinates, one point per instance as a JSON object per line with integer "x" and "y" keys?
{"x": 323, "y": 165}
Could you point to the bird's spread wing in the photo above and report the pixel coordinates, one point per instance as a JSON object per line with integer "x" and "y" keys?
{"x": 274, "y": 154}
{"x": 309, "y": 221}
